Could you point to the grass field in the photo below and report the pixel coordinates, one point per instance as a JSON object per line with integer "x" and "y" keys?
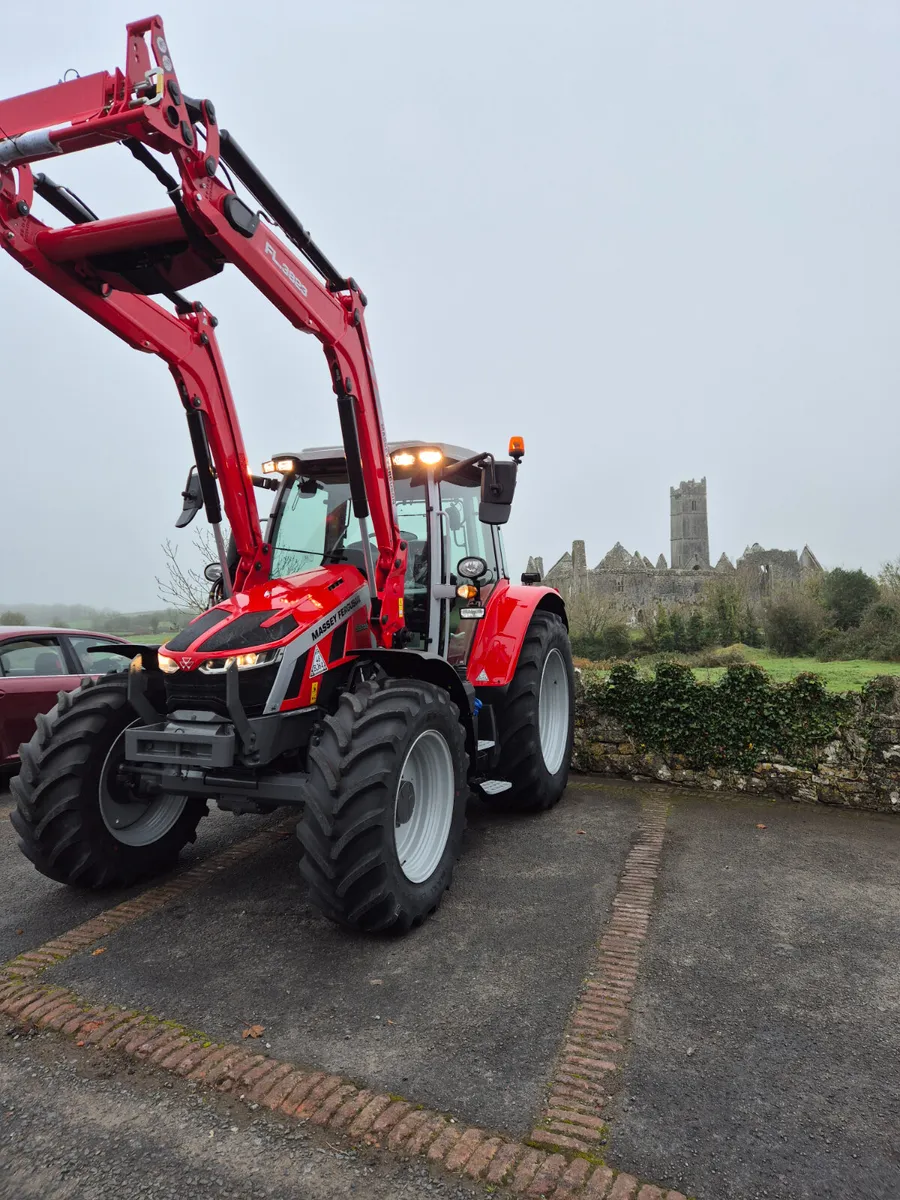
{"x": 146, "y": 639}
{"x": 838, "y": 676}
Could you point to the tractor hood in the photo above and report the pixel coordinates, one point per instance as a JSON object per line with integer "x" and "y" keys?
{"x": 281, "y": 636}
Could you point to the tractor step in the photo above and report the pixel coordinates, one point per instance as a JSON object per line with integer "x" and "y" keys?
{"x": 488, "y": 757}
{"x": 491, "y": 787}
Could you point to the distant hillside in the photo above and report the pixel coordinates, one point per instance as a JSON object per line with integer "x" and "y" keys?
{"x": 104, "y": 620}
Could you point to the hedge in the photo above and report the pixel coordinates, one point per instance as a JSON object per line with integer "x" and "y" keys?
{"x": 743, "y": 719}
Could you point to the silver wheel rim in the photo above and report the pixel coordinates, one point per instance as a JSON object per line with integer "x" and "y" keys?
{"x": 131, "y": 820}
{"x": 423, "y": 806}
{"x": 553, "y": 711}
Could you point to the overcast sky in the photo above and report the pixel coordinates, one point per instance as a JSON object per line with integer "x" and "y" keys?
{"x": 658, "y": 240}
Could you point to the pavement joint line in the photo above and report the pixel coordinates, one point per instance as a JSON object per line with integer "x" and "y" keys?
{"x": 559, "y": 1169}
{"x": 29, "y": 964}
{"x": 589, "y": 1069}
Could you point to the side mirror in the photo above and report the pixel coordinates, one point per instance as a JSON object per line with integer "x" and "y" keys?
{"x": 193, "y": 499}
{"x": 498, "y": 486}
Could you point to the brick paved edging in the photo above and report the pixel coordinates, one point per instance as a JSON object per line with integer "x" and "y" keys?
{"x": 336, "y": 1104}
{"x": 31, "y": 963}
{"x": 589, "y": 1069}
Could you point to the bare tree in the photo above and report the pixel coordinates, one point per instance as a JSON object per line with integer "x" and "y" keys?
{"x": 184, "y": 587}
{"x": 590, "y": 612}
{"x": 889, "y": 578}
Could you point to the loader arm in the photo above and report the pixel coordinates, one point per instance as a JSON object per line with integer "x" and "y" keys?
{"x": 111, "y": 268}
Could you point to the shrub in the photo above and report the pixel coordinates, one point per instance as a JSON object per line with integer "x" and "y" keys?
{"x": 664, "y": 637}
{"x": 793, "y": 624}
{"x": 743, "y": 719}
{"x": 613, "y": 642}
{"x": 876, "y": 637}
{"x": 695, "y": 632}
{"x": 724, "y": 602}
{"x": 587, "y": 647}
{"x": 834, "y": 644}
{"x": 616, "y": 641}
{"x": 847, "y": 594}
{"x": 750, "y": 632}
{"x": 679, "y": 629}
{"x": 728, "y": 657}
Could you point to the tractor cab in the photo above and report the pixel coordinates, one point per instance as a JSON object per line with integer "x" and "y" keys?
{"x": 438, "y": 494}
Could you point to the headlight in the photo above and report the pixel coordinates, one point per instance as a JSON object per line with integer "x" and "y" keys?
{"x": 472, "y": 567}
{"x": 243, "y": 662}
{"x": 166, "y": 664}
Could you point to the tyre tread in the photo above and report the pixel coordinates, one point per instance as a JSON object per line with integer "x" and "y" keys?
{"x": 521, "y": 761}
{"x": 57, "y": 831}
{"x": 344, "y": 862}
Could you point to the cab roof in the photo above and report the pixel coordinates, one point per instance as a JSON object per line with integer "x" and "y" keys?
{"x": 313, "y": 456}
{"x": 324, "y": 460}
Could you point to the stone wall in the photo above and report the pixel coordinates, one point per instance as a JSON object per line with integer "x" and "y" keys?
{"x": 860, "y": 769}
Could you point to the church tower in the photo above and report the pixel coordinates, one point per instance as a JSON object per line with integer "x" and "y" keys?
{"x": 690, "y": 533}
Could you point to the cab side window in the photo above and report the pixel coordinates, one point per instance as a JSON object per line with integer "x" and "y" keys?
{"x": 466, "y": 536}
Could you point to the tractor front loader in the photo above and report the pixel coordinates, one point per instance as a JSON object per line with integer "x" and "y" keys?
{"x": 367, "y": 660}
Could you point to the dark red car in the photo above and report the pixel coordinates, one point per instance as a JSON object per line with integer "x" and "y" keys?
{"x": 35, "y": 665}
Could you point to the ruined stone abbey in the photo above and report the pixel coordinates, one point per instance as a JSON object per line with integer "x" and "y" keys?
{"x": 637, "y": 586}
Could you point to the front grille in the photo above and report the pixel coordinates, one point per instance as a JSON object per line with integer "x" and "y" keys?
{"x": 202, "y": 690}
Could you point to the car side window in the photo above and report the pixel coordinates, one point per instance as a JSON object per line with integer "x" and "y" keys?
{"x": 29, "y": 657}
{"x": 98, "y": 661}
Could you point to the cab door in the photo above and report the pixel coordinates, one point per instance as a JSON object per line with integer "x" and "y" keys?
{"x": 464, "y": 537}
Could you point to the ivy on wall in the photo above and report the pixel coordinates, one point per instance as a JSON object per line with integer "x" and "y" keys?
{"x": 741, "y": 720}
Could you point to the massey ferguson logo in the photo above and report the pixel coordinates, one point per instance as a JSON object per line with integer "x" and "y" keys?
{"x": 338, "y": 615}
{"x": 286, "y": 271}
{"x": 187, "y": 661}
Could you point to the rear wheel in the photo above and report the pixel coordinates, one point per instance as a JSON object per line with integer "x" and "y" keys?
{"x": 76, "y": 821}
{"x": 536, "y": 720}
{"x": 385, "y": 805}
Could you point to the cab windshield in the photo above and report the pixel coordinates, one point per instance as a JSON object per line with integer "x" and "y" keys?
{"x": 316, "y": 526}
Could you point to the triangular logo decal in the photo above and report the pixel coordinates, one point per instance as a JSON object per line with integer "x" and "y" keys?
{"x": 319, "y": 665}
{"x": 482, "y": 676}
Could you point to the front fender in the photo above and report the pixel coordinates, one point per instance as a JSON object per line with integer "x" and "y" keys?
{"x": 419, "y": 664}
{"x": 501, "y": 631}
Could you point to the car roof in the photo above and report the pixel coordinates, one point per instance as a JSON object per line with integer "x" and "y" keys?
{"x": 51, "y": 631}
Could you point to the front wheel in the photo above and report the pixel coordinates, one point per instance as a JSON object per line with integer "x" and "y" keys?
{"x": 535, "y": 722}
{"x": 385, "y": 805}
{"x": 76, "y": 820}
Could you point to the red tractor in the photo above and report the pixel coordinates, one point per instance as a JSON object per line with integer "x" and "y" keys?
{"x": 367, "y": 659}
